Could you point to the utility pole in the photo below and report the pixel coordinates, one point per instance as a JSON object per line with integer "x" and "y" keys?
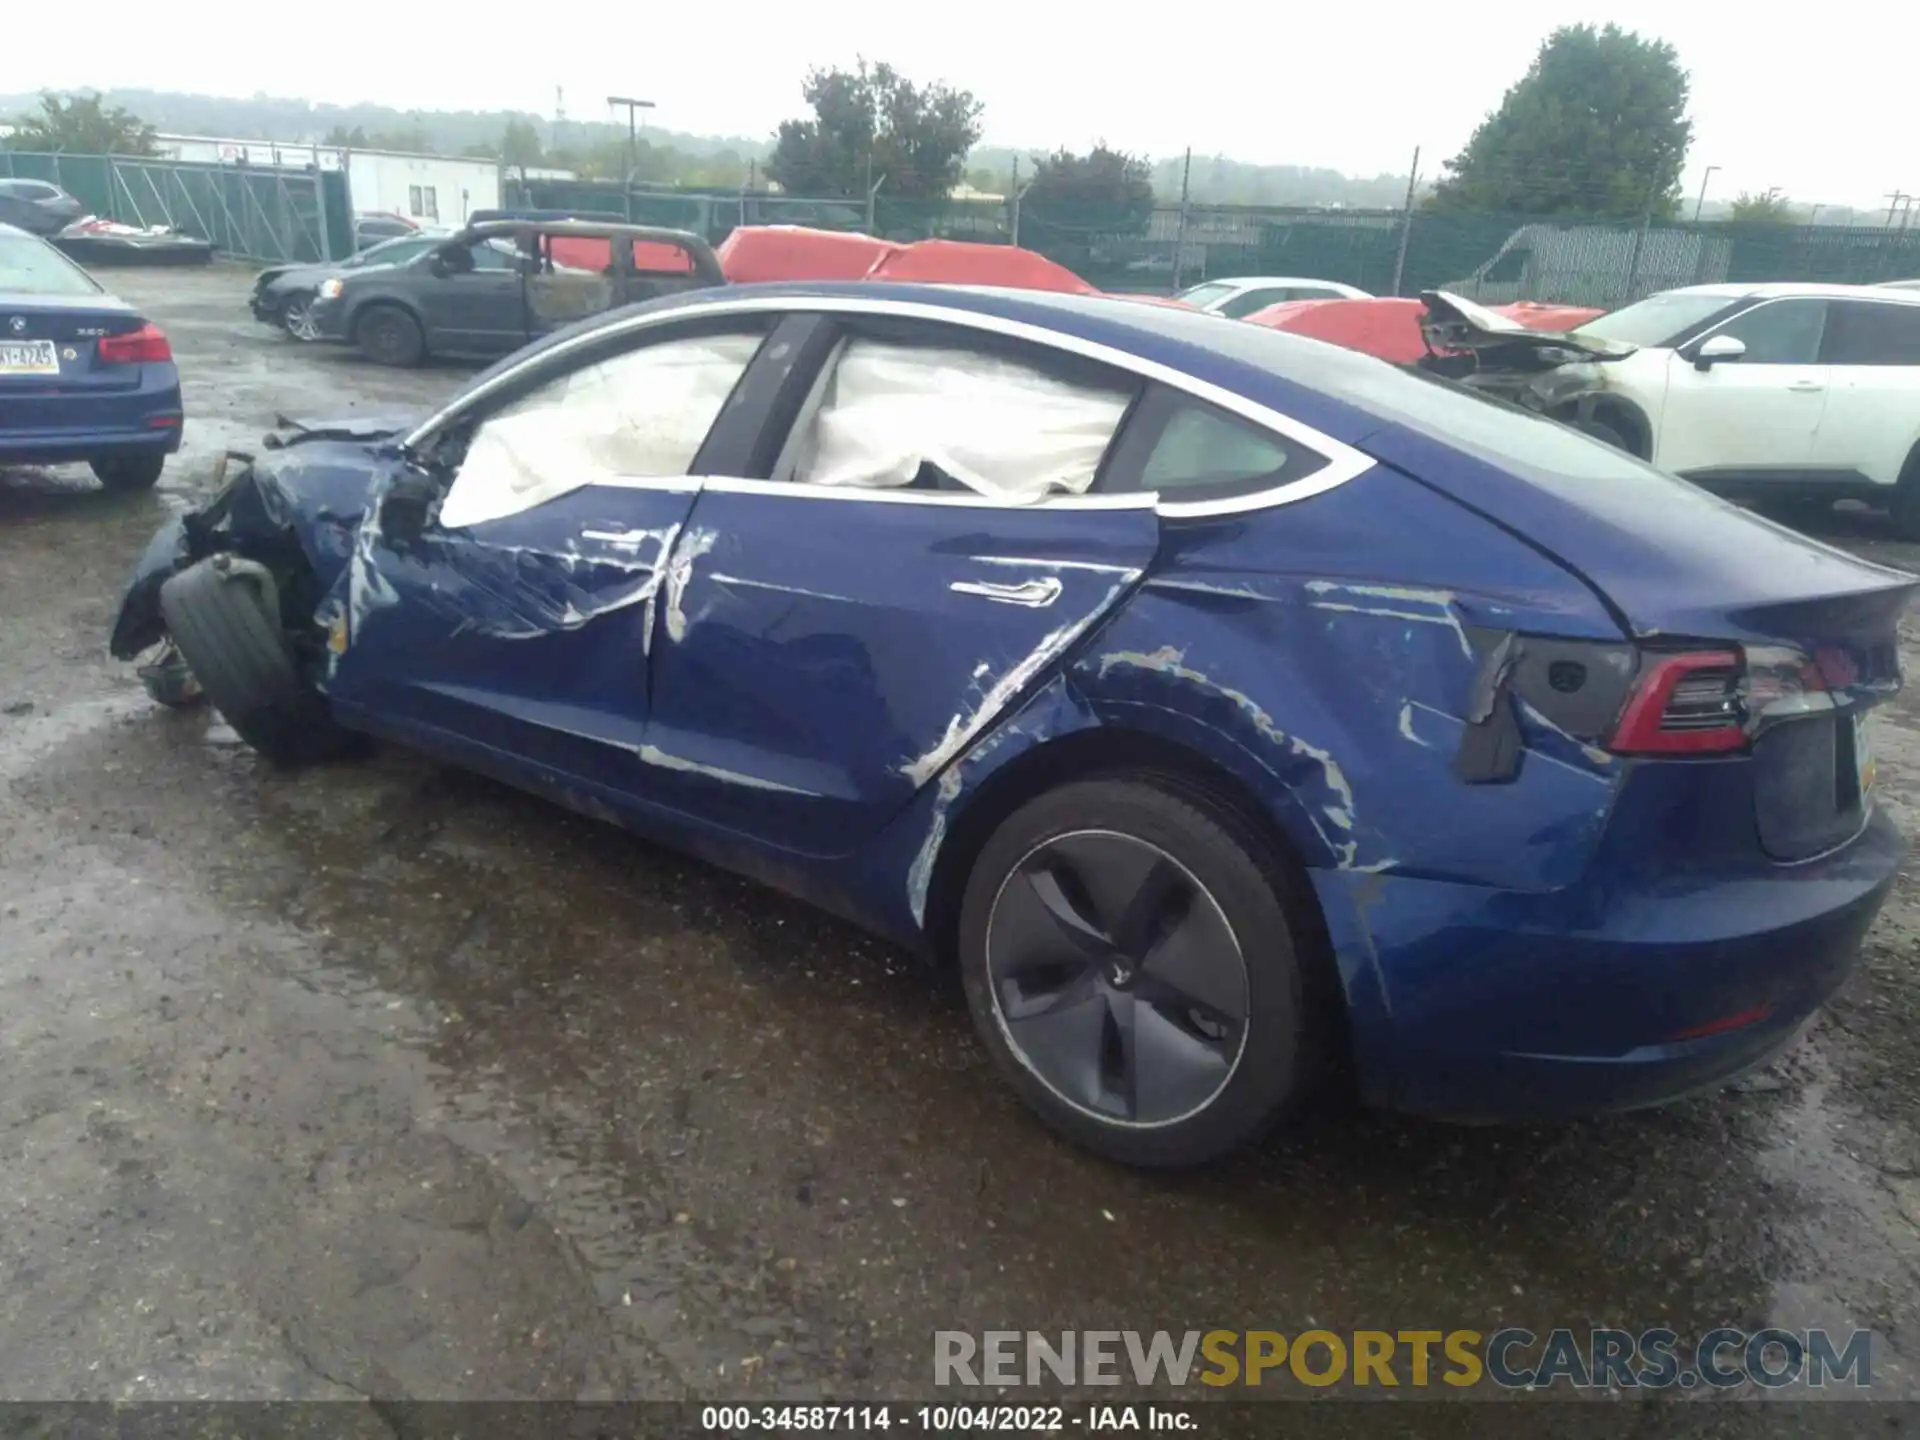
{"x": 1406, "y": 222}
{"x": 1893, "y": 203}
{"x": 1180, "y": 231}
{"x": 1703, "y": 192}
{"x": 633, "y": 109}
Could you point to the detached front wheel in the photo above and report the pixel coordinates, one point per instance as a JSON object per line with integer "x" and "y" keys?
{"x": 1130, "y": 950}
{"x": 224, "y": 615}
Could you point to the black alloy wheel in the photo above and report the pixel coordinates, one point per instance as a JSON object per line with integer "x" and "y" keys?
{"x": 1117, "y": 978}
{"x": 1128, "y": 953}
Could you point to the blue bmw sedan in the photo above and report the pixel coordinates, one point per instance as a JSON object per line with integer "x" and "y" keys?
{"x": 83, "y": 377}
{"x": 1233, "y": 710}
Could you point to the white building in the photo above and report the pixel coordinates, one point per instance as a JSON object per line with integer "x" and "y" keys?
{"x": 437, "y": 189}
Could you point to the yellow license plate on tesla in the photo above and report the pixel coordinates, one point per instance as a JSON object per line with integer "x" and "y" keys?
{"x": 28, "y": 357}
{"x": 1863, "y": 755}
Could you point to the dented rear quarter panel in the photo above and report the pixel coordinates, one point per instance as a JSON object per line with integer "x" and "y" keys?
{"x": 1323, "y": 657}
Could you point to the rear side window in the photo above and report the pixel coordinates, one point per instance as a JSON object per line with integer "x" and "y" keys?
{"x": 1188, "y": 450}
{"x": 32, "y": 267}
{"x": 1780, "y": 332}
{"x": 1865, "y": 332}
{"x": 949, "y": 415}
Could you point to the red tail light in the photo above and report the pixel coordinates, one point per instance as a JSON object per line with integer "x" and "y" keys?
{"x": 1683, "y": 705}
{"x": 137, "y": 347}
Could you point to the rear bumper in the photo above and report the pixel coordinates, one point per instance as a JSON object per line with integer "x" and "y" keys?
{"x": 1493, "y": 1006}
{"x": 52, "y": 428}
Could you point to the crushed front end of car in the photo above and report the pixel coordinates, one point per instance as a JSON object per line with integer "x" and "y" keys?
{"x": 1555, "y": 373}
{"x": 294, "y": 507}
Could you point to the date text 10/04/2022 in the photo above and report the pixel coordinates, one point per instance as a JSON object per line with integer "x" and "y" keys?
{"x": 942, "y": 1419}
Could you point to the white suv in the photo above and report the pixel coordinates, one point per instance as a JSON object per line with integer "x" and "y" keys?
{"x": 1803, "y": 393}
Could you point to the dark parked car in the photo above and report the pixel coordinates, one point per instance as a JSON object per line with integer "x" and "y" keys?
{"x": 374, "y": 226}
{"x": 1228, "y": 704}
{"x": 37, "y": 206}
{"x": 496, "y": 285}
{"x": 281, "y": 295}
{"x": 83, "y": 376}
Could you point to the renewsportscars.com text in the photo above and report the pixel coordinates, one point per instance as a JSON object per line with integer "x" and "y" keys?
{"x": 1512, "y": 1359}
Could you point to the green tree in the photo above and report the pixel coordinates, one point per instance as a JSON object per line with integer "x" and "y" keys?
{"x": 1771, "y": 208}
{"x": 83, "y": 125}
{"x": 1104, "y": 189}
{"x": 872, "y": 124}
{"x": 1598, "y": 126}
{"x": 341, "y": 138}
{"x": 520, "y": 146}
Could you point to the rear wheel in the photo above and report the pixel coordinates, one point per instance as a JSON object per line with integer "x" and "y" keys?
{"x": 129, "y": 472}
{"x": 388, "y": 335}
{"x": 1904, "y": 508}
{"x": 1608, "y": 434}
{"x": 1129, "y": 950}
{"x": 223, "y": 616}
{"x": 296, "y": 316}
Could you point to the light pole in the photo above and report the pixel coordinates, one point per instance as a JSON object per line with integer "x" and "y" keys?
{"x": 1703, "y": 192}
{"x": 633, "y": 108}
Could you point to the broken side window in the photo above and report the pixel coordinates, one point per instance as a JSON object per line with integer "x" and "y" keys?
{"x": 643, "y": 413}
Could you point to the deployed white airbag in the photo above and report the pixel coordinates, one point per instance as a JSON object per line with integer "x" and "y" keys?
{"x": 995, "y": 425}
{"x": 640, "y": 414}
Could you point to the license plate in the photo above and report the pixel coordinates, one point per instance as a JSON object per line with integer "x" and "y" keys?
{"x": 1863, "y": 756}
{"x": 28, "y": 357}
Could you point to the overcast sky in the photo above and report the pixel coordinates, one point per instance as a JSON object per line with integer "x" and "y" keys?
{"x": 1819, "y": 102}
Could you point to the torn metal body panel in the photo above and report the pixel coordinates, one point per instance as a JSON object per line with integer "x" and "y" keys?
{"x": 1549, "y": 371}
{"x": 1569, "y": 755}
{"x": 302, "y": 498}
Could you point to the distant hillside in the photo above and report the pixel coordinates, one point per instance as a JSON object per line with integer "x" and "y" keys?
{"x": 265, "y": 117}
{"x": 1216, "y": 179}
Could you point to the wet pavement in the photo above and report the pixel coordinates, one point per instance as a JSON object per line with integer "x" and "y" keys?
{"x": 380, "y": 1079}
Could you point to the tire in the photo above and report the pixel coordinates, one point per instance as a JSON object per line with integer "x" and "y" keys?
{"x": 228, "y": 631}
{"x": 296, "y": 318}
{"x": 1605, "y": 433}
{"x": 1073, "y": 867}
{"x": 388, "y": 335}
{"x": 123, "y": 473}
{"x": 1801, "y": 513}
{"x": 1904, "y": 508}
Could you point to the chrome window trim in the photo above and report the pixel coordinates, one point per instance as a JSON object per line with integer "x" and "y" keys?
{"x": 1344, "y": 462}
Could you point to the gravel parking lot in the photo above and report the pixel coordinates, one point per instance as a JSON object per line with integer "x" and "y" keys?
{"x": 379, "y": 1079}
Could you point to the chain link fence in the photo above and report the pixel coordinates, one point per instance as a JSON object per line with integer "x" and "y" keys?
{"x": 1490, "y": 257}
{"x": 275, "y": 215}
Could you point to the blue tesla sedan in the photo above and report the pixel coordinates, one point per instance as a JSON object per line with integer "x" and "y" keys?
{"x": 1233, "y": 710}
{"x": 83, "y": 376}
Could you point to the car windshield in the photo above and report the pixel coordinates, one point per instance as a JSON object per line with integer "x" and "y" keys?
{"x": 33, "y": 267}
{"x": 1657, "y": 320}
{"x": 390, "y": 252}
{"x": 1201, "y": 295}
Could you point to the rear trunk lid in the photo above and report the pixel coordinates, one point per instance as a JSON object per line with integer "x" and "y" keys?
{"x": 49, "y": 349}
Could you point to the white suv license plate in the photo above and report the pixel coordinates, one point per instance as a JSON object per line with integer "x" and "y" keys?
{"x": 28, "y": 357}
